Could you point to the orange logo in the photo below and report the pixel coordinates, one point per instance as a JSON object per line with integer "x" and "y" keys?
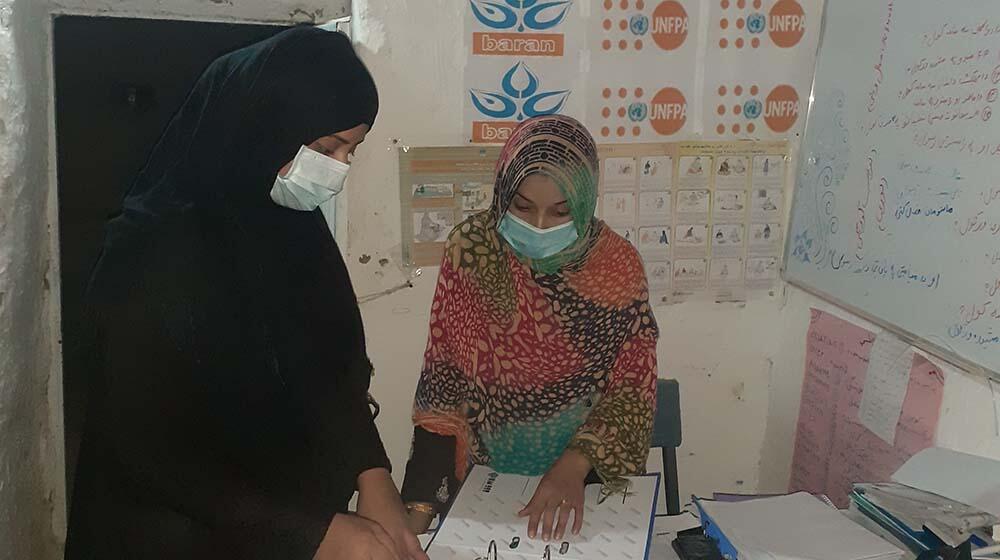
{"x": 518, "y": 44}
{"x": 786, "y": 23}
{"x": 669, "y": 25}
{"x": 668, "y": 111}
{"x": 492, "y": 132}
{"x": 781, "y": 109}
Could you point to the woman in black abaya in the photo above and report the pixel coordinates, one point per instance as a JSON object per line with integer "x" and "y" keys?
{"x": 228, "y": 413}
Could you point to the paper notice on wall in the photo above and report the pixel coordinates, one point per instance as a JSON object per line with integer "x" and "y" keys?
{"x": 522, "y": 62}
{"x": 885, "y": 385}
{"x": 833, "y": 450}
{"x": 759, "y": 62}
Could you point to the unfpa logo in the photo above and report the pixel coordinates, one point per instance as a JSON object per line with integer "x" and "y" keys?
{"x": 516, "y": 27}
{"x": 520, "y": 97}
{"x": 670, "y": 25}
{"x": 666, "y": 24}
{"x": 668, "y": 111}
{"x": 786, "y": 23}
{"x": 665, "y": 112}
{"x": 779, "y": 110}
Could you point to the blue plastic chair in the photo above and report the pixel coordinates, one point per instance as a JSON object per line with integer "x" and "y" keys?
{"x": 667, "y": 435}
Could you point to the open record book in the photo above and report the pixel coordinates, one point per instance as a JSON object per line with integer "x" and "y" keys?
{"x": 483, "y": 522}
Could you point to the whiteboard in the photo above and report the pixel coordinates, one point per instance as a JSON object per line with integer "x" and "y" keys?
{"x": 896, "y": 213}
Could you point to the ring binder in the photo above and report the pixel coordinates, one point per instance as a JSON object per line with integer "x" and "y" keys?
{"x": 491, "y": 552}
{"x": 484, "y": 519}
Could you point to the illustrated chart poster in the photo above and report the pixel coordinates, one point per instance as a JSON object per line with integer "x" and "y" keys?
{"x": 706, "y": 217}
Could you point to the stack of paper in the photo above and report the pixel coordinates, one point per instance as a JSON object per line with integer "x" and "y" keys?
{"x": 957, "y": 476}
{"x": 485, "y": 511}
{"x": 940, "y": 497}
{"x": 795, "y": 527}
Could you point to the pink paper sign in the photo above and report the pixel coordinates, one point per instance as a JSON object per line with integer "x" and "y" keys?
{"x": 832, "y": 449}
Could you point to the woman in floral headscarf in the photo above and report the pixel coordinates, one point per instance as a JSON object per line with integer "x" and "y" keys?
{"x": 541, "y": 357}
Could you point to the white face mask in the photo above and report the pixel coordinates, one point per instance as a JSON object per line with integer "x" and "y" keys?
{"x": 311, "y": 180}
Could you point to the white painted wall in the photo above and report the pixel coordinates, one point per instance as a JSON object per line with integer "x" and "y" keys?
{"x": 740, "y": 367}
{"x": 30, "y": 471}
{"x": 720, "y": 353}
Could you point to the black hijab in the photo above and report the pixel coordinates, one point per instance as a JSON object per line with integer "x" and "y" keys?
{"x": 228, "y": 412}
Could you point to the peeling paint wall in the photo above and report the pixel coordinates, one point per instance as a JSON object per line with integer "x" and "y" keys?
{"x": 30, "y": 474}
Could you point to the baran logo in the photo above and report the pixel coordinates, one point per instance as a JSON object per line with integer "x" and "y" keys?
{"x": 520, "y": 97}
{"x": 514, "y": 44}
{"x": 517, "y": 25}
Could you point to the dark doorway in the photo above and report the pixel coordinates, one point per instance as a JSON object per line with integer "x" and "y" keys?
{"x": 117, "y": 84}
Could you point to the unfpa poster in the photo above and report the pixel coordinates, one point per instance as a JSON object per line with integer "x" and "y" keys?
{"x": 643, "y": 80}
{"x": 758, "y": 67}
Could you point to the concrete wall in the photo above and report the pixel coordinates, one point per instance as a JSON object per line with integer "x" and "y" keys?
{"x": 30, "y": 471}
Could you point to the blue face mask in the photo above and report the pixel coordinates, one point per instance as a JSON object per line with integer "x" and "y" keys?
{"x": 529, "y": 241}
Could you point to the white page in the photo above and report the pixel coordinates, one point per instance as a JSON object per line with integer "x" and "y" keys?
{"x": 673, "y": 524}
{"x": 665, "y": 529}
{"x": 889, "y": 364}
{"x": 797, "y": 526}
{"x": 486, "y": 510}
{"x": 663, "y": 549}
{"x": 968, "y": 479}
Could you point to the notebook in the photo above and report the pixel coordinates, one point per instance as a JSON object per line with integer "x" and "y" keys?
{"x": 485, "y": 512}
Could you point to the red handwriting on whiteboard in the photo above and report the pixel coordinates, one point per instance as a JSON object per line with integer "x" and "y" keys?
{"x": 982, "y": 30}
{"x": 955, "y": 144}
{"x": 880, "y": 217}
{"x": 978, "y": 224}
{"x": 990, "y": 195}
{"x": 992, "y": 288}
{"x": 969, "y": 314}
{"x": 859, "y": 225}
{"x": 877, "y": 81}
{"x": 974, "y": 224}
